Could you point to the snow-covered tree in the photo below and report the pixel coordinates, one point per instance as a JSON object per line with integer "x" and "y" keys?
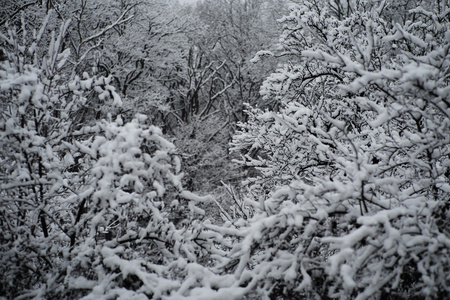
{"x": 352, "y": 175}
{"x": 87, "y": 208}
{"x": 215, "y": 80}
{"x": 235, "y": 31}
{"x": 348, "y": 182}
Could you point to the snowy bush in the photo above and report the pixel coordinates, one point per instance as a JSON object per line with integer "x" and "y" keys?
{"x": 352, "y": 177}
{"x": 349, "y": 178}
{"x": 88, "y": 208}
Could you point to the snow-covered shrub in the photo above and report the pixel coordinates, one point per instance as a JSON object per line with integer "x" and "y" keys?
{"x": 349, "y": 197}
{"x": 36, "y": 163}
{"x": 352, "y": 181}
{"x": 88, "y": 208}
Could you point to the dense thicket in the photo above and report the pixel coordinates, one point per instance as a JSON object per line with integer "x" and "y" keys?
{"x": 87, "y": 208}
{"x": 344, "y": 150}
{"x": 352, "y": 190}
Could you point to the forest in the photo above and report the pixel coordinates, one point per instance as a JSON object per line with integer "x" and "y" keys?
{"x": 224, "y": 149}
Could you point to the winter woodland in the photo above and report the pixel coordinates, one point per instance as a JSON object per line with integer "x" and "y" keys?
{"x": 226, "y": 149}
